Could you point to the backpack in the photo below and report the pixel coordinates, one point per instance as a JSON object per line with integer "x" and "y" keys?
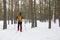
{"x": 19, "y": 19}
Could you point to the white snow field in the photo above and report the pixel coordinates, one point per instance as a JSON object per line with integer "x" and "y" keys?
{"x": 38, "y": 33}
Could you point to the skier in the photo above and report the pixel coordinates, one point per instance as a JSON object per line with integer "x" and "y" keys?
{"x": 19, "y": 22}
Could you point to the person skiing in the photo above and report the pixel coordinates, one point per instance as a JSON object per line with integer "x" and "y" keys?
{"x": 19, "y": 22}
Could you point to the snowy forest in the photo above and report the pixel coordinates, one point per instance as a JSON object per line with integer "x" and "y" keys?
{"x": 32, "y": 10}
{"x": 41, "y": 19}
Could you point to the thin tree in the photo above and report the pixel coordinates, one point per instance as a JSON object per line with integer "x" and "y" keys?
{"x": 45, "y": 9}
{"x": 58, "y": 10}
{"x": 41, "y": 9}
{"x": 29, "y": 10}
{"x": 11, "y": 11}
{"x": 5, "y": 18}
{"x": 0, "y": 9}
{"x": 55, "y": 11}
{"x": 49, "y": 15}
{"x": 35, "y": 19}
{"x": 16, "y": 10}
{"x": 32, "y": 13}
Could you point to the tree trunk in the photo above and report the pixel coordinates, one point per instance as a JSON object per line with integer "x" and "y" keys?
{"x": 32, "y": 14}
{"x": 8, "y": 17}
{"x": 29, "y": 14}
{"x": 41, "y": 9}
{"x": 5, "y": 18}
{"x": 55, "y": 11}
{"x": 35, "y": 19}
{"x": 58, "y": 9}
{"x": 11, "y": 11}
{"x": 16, "y": 10}
{"x": 49, "y": 15}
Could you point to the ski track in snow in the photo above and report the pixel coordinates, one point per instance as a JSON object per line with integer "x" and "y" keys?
{"x": 16, "y": 36}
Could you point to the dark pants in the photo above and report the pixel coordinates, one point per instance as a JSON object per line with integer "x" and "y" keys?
{"x": 20, "y": 26}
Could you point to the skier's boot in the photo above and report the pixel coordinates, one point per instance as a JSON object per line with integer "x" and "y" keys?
{"x": 20, "y": 29}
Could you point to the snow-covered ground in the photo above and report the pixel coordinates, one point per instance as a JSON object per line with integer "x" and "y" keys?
{"x": 39, "y": 33}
